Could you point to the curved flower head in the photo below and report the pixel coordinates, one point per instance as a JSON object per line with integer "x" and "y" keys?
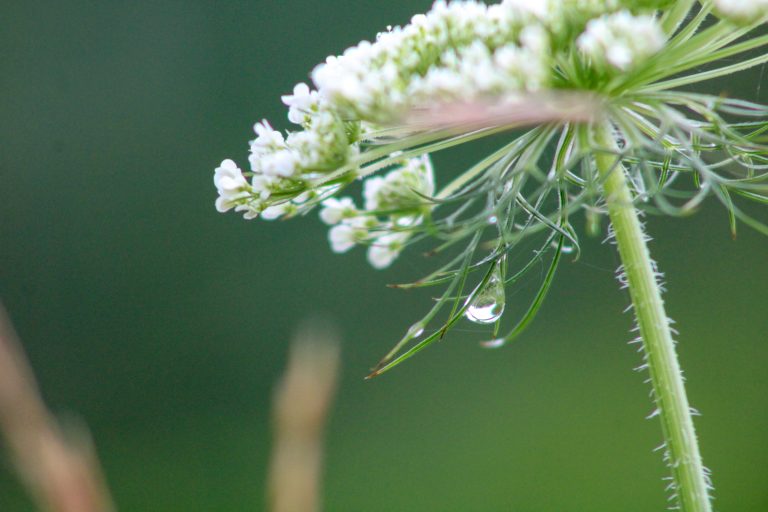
{"x": 551, "y": 70}
{"x": 591, "y": 109}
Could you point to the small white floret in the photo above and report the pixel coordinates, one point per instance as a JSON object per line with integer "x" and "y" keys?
{"x": 371, "y": 188}
{"x": 262, "y": 185}
{"x": 230, "y": 184}
{"x": 302, "y": 103}
{"x": 250, "y": 212}
{"x": 385, "y": 249}
{"x": 283, "y": 162}
{"x": 266, "y": 136}
{"x": 335, "y": 210}
{"x": 342, "y": 237}
{"x": 279, "y": 210}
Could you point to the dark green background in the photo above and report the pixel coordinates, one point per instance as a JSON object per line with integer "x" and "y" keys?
{"x": 163, "y": 324}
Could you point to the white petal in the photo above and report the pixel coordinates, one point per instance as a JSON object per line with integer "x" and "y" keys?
{"x": 342, "y": 238}
{"x": 274, "y": 212}
{"x": 335, "y": 209}
{"x": 385, "y": 250}
{"x": 223, "y": 204}
{"x": 380, "y": 257}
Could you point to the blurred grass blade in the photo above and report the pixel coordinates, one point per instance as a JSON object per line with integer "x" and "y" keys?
{"x": 60, "y": 472}
{"x": 301, "y": 403}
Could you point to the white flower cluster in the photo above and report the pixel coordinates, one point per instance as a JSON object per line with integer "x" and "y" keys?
{"x": 465, "y": 50}
{"x": 398, "y": 192}
{"x": 252, "y": 198}
{"x": 449, "y": 52}
{"x": 743, "y": 11}
{"x": 393, "y": 203}
{"x": 621, "y": 39}
{"x": 459, "y": 50}
{"x": 282, "y": 165}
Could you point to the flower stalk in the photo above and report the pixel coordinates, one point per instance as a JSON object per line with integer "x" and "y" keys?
{"x": 690, "y": 481}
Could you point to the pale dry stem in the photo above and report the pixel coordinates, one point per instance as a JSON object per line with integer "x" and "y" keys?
{"x": 61, "y": 474}
{"x": 300, "y": 408}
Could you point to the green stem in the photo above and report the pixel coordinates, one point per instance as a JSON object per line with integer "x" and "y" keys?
{"x": 675, "y": 16}
{"x": 666, "y": 377}
{"x": 706, "y": 75}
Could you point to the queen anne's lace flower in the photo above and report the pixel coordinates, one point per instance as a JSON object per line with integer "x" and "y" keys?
{"x": 459, "y": 51}
{"x": 597, "y": 92}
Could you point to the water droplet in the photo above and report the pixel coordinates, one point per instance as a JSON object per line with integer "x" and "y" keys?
{"x": 498, "y": 342}
{"x": 415, "y": 330}
{"x": 565, "y": 249}
{"x": 487, "y": 305}
{"x": 493, "y": 219}
{"x": 484, "y": 311}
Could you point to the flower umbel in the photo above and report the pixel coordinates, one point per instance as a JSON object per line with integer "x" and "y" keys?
{"x": 593, "y": 97}
{"x": 466, "y": 70}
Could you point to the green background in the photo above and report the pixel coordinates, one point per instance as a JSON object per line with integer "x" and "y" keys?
{"x": 163, "y": 325}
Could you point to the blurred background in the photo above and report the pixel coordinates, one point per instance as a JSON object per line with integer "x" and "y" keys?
{"x": 163, "y": 325}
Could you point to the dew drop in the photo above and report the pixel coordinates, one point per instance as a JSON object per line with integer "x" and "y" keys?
{"x": 565, "y": 249}
{"x": 415, "y": 330}
{"x": 488, "y": 305}
{"x": 498, "y": 342}
{"x": 482, "y": 312}
{"x": 493, "y": 219}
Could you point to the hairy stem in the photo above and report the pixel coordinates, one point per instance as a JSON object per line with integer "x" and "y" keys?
{"x": 690, "y": 480}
